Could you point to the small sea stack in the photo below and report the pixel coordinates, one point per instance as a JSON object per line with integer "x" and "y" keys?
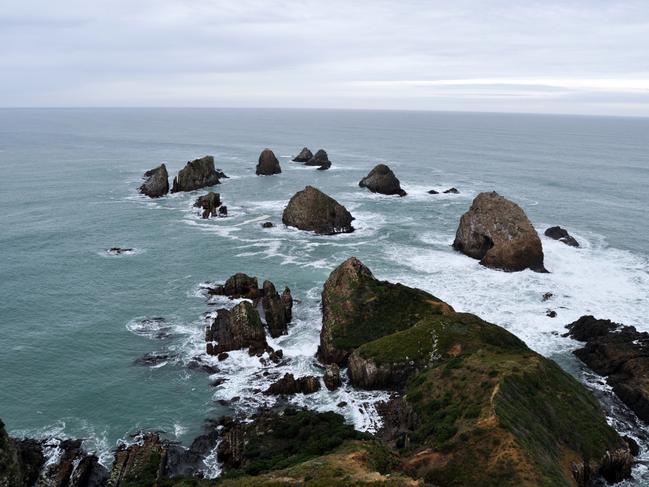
{"x": 304, "y": 155}
{"x": 382, "y": 180}
{"x": 498, "y": 233}
{"x": 320, "y": 159}
{"x": 562, "y": 235}
{"x": 268, "y": 164}
{"x": 197, "y": 174}
{"x": 156, "y": 182}
{"x": 210, "y": 204}
{"x": 315, "y": 211}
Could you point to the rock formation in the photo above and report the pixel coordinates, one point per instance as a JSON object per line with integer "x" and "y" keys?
{"x": 382, "y": 180}
{"x": 234, "y": 329}
{"x": 332, "y": 377}
{"x": 320, "y": 159}
{"x": 621, "y": 353}
{"x": 452, "y": 191}
{"x": 357, "y": 307}
{"x": 197, "y": 174}
{"x": 156, "y": 182}
{"x": 498, "y": 232}
{"x": 209, "y": 203}
{"x": 305, "y": 155}
{"x": 275, "y": 310}
{"x": 268, "y": 164}
{"x": 312, "y": 210}
{"x": 562, "y": 235}
{"x": 289, "y": 385}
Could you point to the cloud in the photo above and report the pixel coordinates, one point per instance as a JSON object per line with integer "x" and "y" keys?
{"x": 469, "y": 54}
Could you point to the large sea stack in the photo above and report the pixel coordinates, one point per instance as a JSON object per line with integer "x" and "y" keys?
{"x": 313, "y": 210}
{"x": 498, "y": 233}
{"x": 197, "y": 174}
{"x": 268, "y": 164}
{"x": 320, "y": 159}
{"x": 382, "y": 180}
{"x": 156, "y": 182}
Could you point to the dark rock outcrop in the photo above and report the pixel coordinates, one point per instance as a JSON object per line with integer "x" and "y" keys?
{"x": 313, "y": 210}
{"x": 239, "y": 285}
{"x": 497, "y": 231}
{"x": 562, "y": 235}
{"x": 119, "y": 250}
{"x": 234, "y": 329}
{"x": 289, "y": 385}
{"x": 268, "y": 164}
{"x": 267, "y": 225}
{"x": 452, "y": 191}
{"x": 320, "y": 159}
{"x": 156, "y": 182}
{"x": 305, "y": 155}
{"x": 432, "y": 191}
{"x": 223, "y": 210}
{"x": 197, "y": 174}
{"x": 621, "y": 353}
{"x": 357, "y": 308}
{"x": 142, "y": 463}
{"x": 331, "y": 377}
{"x": 209, "y": 203}
{"x": 382, "y": 180}
{"x": 275, "y": 311}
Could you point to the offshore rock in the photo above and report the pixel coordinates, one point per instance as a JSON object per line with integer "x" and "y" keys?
{"x": 382, "y": 180}
{"x": 313, "y": 210}
{"x": 268, "y": 164}
{"x": 497, "y": 231}
{"x": 197, "y": 174}
{"x": 275, "y": 311}
{"x": 209, "y": 203}
{"x": 319, "y": 159}
{"x": 562, "y": 235}
{"x": 234, "y": 329}
{"x": 305, "y": 155}
{"x": 156, "y": 182}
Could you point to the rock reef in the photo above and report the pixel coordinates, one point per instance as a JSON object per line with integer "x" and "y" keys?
{"x": 498, "y": 233}
{"x": 313, "y": 210}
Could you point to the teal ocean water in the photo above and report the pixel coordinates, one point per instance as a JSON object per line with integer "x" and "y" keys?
{"x": 71, "y": 316}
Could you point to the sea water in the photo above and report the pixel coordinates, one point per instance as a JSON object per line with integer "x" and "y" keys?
{"x": 73, "y": 319}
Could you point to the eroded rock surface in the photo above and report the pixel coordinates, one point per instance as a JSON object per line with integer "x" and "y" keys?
{"x": 197, "y": 174}
{"x": 562, "y": 235}
{"x": 313, "y": 210}
{"x": 156, "y": 182}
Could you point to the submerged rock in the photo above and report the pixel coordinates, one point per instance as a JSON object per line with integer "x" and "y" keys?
{"x": 382, "y": 180}
{"x": 141, "y": 463}
{"x": 319, "y": 159}
{"x": 621, "y": 353}
{"x": 304, "y": 155}
{"x": 313, "y": 210}
{"x": 209, "y": 203}
{"x": 119, "y": 250}
{"x": 561, "y": 234}
{"x": 289, "y": 385}
{"x": 234, "y": 329}
{"x": 498, "y": 232}
{"x": 197, "y": 174}
{"x": 268, "y": 164}
{"x": 156, "y": 182}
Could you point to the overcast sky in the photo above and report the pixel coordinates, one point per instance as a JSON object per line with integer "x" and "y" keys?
{"x": 570, "y": 56}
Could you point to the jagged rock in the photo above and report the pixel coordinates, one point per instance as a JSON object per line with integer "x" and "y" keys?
{"x": 210, "y": 203}
{"x": 616, "y": 466}
{"x": 304, "y": 155}
{"x": 399, "y": 421}
{"x": 139, "y": 464}
{"x": 187, "y": 462}
{"x": 274, "y": 311}
{"x": 562, "y": 235}
{"x": 235, "y": 329}
{"x": 357, "y": 308}
{"x": 498, "y": 232}
{"x": 119, "y": 250}
{"x": 20, "y": 460}
{"x": 621, "y": 353}
{"x": 382, "y": 180}
{"x": 547, "y": 296}
{"x": 239, "y": 285}
{"x": 319, "y": 159}
{"x": 156, "y": 182}
{"x": 289, "y": 385}
{"x": 313, "y": 210}
{"x": 268, "y": 164}
{"x": 366, "y": 373}
{"x": 267, "y": 225}
{"x": 332, "y": 377}
{"x": 452, "y": 191}
{"x": 287, "y": 302}
{"x": 197, "y": 174}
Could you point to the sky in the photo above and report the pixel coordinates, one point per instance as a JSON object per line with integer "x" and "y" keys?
{"x": 546, "y": 56}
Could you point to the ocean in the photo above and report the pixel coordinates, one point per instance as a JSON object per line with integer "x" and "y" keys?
{"x": 73, "y": 319}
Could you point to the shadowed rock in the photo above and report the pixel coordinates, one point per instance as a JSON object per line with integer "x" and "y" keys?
{"x": 305, "y": 155}
{"x": 332, "y": 377}
{"x": 319, "y": 159}
{"x": 209, "y": 203}
{"x": 268, "y": 164}
{"x": 497, "y": 231}
{"x": 197, "y": 174}
{"x": 156, "y": 182}
{"x": 313, "y": 210}
{"x": 289, "y": 385}
{"x": 234, "y": 329}
{"x": 382, "y": 180}
{"x": 451, "y": 191}
{"x": 561, "y": 234}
